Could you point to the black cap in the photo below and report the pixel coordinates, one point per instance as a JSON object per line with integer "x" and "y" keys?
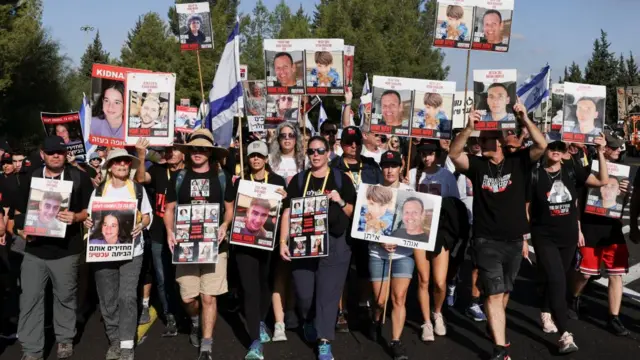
{"x": 351, "y": 134}
{"x": 557, "y": 145}
{"x": 101, "y": 148}
{"x": 390, "y": 158}
{"x": 53, "y": 143}
{"x": 5, "y": 159}
{"x": 613, "y": 141}
{"x": 427, "y": 147}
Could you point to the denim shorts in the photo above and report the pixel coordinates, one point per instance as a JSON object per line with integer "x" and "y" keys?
{"x": 400, "y": 268}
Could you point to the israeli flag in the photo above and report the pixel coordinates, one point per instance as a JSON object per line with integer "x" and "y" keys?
{"x": 322, "y": 118}
{"x": 226, "y": 92}
{"x": 535, "y": 89}
{"x": 365, "y": 88}
{"x": 365, "y": 91}
{"x": 85, "y": 124}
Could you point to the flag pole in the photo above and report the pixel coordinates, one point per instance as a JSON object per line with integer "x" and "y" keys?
{"x": 304, "y": 118}
{"x": 240, "y": 144}
{"x": 386, "y": 298}
{"x": 200, "y": 75}
{"x": 548, "y": 108}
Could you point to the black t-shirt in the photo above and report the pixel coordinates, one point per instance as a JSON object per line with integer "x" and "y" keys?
{"x": 72, "y": 244}
{"x": 274, "y": 179}
{"x": 160, "y": 180}
{"x": 338, "y": 222}
{"x": 554, "y": 214}
{"x": 499, "y": 196}
{"x": 8, "y": 190}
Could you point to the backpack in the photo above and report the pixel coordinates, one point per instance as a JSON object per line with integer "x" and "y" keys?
{"x": 222, "y": 179}
{"x": 337, "y": 177}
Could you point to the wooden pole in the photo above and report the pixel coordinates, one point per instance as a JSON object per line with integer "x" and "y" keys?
{"x": 466, "y": 87}
{"x": 386, "y": 298}
{"x": 304, "y": 118}
{"x": 200, "y": 74}
{"x": 409, "y": 158}
{"x": 241, "y": 148}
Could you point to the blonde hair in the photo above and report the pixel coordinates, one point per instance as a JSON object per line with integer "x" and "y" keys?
{"x": 455, "y": 11}
{"x": 379, "y": 194}
{"x": 433, "y": 99}
{"x": 324, "y": 58}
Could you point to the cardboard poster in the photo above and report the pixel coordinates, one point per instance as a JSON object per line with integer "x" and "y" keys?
{"x": 110, "y": 237}
{"x": 150, "y": 100}
{"x": 557, "y": 106}
{"x": 365, "y": 115}
{"x": 454, "y": 23}
{"x": 281, "y": 108}
{"x": 608, "y": 200}
{"x": 349, "y": 57}
{"x": 185, "y": 102}
{"x": 433, "y": 109}
{"x": 47, "y": 197}
{"x": 308, "y": 226}
{"x": 391, "y": 105}
{"x": 284, "y": 66}
{"x": 402, "y": 217}
{"x": 324, "y": 67}
{"x": 196, "y": 31}
{"x": 633, "y": 100}
{"x": 495, "y": 95}
{"x": 255, "y": 103}
{"x": 493, "y": 23}
{"x": 584, "y": 112}
{"x": 67, "y": 126}
{"x": 244, "y": 72}
{"x": 255, "y": 221}
{"x": 196, "y": 230}
{"x": 186, "y": 118}
{"x": 459, "y": 112}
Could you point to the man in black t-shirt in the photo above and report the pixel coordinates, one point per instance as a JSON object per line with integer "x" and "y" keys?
{"x": 499, "y": 187}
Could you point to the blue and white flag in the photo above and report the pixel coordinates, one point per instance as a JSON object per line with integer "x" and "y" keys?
{"x": 226, "y": 91}
{"x": 322, "y": 118}
{"x": 365, "y": 91}
{"x": 85, "y": 123}
{"x": 535, "y": 89}
{"x": 365, "y": 88}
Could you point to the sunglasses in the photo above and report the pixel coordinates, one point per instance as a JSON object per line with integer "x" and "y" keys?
{"x": 125, "y": 161}
{"x": 199, "y": 149}
{"x": 330, "y": 132}
{"x": 59, "y": 152}
{"x": 257, "y": 155}
{"x": 319, "y": 151}
{"x": 285, "y": 136}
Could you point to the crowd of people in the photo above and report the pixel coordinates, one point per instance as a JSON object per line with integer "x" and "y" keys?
{"x": 510, "y": 188}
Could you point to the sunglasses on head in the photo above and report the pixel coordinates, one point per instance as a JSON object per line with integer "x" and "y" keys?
{"x": 319, "y": 151}
{"x": 285, "y": 136}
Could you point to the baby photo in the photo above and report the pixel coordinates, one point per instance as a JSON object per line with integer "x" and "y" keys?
{"x": 376, "y": 216}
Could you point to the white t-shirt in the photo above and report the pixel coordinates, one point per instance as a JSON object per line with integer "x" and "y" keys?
{"x": 287, "y": 167}
{"x": 377, "y": 251}
{"x": 375, "y": 155}
{"x": 123, "y": 193}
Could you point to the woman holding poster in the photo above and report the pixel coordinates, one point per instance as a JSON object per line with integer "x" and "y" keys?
{"x": 119, "y": 308}
{"x": 321, "y": 278}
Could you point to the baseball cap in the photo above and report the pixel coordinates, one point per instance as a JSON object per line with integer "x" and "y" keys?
{"x": 6, "y": 159}
{"x": 427, "y": 147}
{"x": 258, "y": 147}
{"x": 390, "y": 158}
{"x": 94, "y": 156}
{"x": 557, "y": 145}
{"x": 53, "y": 143}
{"x": 351, "y": 134}
{"x": 613, "y": 141}
{"x": 101, "y": 148}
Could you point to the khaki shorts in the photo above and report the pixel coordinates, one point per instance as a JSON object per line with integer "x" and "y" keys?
{"x": 208, "y": 279}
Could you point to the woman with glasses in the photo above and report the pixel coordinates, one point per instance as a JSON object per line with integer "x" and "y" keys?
{"x": 320, "y": 281}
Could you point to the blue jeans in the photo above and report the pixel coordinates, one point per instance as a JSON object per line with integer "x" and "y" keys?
{"x": 165, "y": 276}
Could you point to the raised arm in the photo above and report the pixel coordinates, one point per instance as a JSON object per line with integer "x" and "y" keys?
{"x": 539, "y": 142}
{"x": 603, "y": 173}
{"x": 346, "y": 108}
{"x": 142, "y": 176}
{"x": 456, "y": 150}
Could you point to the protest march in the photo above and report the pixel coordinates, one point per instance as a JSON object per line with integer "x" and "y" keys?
{"x": 245, "y": 179}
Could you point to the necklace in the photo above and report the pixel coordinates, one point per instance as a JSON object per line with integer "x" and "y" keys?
{"x": 499, "y": 170}
{"x": 553, "y": 177}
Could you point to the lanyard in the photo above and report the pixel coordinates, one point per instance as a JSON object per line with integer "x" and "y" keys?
{"x": 45, "y": 176}
{"x": 324, "y": 184}
{"x": 266, "y": 177}
{"x": 356, "y": 183}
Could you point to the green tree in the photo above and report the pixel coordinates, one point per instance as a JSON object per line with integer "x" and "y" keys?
{"x": 149, "y": 46}
{"x": 623, "y": 74}
{"x": 254, "y": 29}
{"x": 94, "y": 54}
{"x": 632, "y": 70}
{"x": 574, "y": 74}
{"x": 296, "y": 26}
{"x": 602, "y": 69}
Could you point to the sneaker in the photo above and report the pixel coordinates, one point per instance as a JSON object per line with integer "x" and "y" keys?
{"x": 65, "y": 351}
{"x": 548, "y": 326}
{"x": 29, "y": 357}
{"x": 171, "y": 328}
{"x": 577, "y": 308}
{"x": 264, "y": 334}
{"x": 113, "y": 353}
{"x": 324, "y": 351}
{"x": 374, "y": 331}
{"x": 500, "y": 353}
{"x": 126, "y": 354}
{"x": 145, "y": 317}
{"x": 194, "y": 336}
{"x": 566, "y": 344}
{"x": 616, "y": 327}
{"x": 439, "y": 327}
{"x": 279, "y": 333}
{"x": 205, "y": 355}
{"x": 474, "y": 311}
{"x": 398, "y": 351}
{"x": 310, "y": 333}
{"x": 255, "y": 351}
{"x": 427, "y": 331}
{"x": 341, "y": 325}
{"x": 451, "y": 295}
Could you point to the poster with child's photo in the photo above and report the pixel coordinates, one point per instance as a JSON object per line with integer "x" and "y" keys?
{"x": 196, "y": 31}
{"x": 196, "y": 233}
{"x": 584, "y": 112}
{"x": 110, "y": 236}
{"x": 284, "y": 65}
{"x": 454, "y": 24}
{"x": 402, "y": 217}
{"x": 433, "y": 109}
{"x": 493, "y": 23}
{"x": 150, "y": 103}
{"x": 255, "y": 220}
{"x": 608, "y": 200}
{"x": 308, "y": 227}
{"x": 324, "y": 67}
{"x": 494, "y": 96}
{"x": 391, "y": 105}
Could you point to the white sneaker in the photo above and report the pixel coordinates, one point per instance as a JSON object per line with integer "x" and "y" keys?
{"x": 279, "y": 333}
{"x": 427, "y": 331}
{"x": 439, "y": 327}
{"x": 548, "y": 326}
{"x": 566, "y": 344}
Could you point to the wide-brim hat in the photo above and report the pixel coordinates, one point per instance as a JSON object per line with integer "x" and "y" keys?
{"x": 204, "y": 138}
{"x": 120, "y": 153}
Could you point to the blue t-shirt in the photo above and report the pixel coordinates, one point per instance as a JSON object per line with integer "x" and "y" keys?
{"x": 462, "y": 30}
{"x": 387, "y": 218}
{"x": 442, "y": 183}
{"x": 333, "y": 74}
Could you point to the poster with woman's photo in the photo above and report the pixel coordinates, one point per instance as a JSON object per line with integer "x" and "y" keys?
{"x": 67, "y": 126}
{"x": 196, "y": 232}
{"x": 324, "y": 67}
{"x": 255, "y": 221}
{"x": 349, "y": 58}
{"x": 433, "y": 109}
{"x": 196, "y": 31}
{"x": 47, "y": 197}
{"x": 281, "y": 108}
{"x": 391, "y": 105}
{"x": 608, "y": 200}
{"x": 494, "y": 94}
{"x": 584, "y": 112}
{"x": 255, "y": 103}
{"x": 150, "y": 100}
{"x": 493, "y": 23}
{"x": 284, "y": 66}
{"x": 186, "y": 118}
{"x": 308, "y": 232}
{"x": 110, "y": 236}
{"x": 454, "y": 23}
{"x": 402, "y": 217}
{"x": 557, "y": 107}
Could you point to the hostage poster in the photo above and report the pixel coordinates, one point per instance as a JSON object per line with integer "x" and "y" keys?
{"x": 402, "y": 217}
{"x": 584, "y": 112}
{"x": 493, "y": 23}
{"x": 196, "y": 232}
{"x": 391, "y": 105}
{"x": 150, "y": 100}
{"x": 47, "y": 198}
{"x": 110, "y": 236}
{"x": 349, "y": 54}
{"x": 432, "y": 109}
{"x": 255, "y": 222}
{"x": 284, "y": 66}
{"x": 324, "y": 67}
{"x": 308, "y": 232}
{"x": 255, "y": 103}
{"x": 281, "y": 108}
{"x": 608, "y": 200}
{"x": 494, "y": 96}
{"x": 196, "y": 31}
{"x": 454, "y": 23}
{"x": 67, "y": 126}
{"x": 186, "y": 118}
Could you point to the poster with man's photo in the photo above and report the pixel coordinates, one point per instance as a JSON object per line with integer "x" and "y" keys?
{"x": 454, "y": 23}
{"x": 324, "y": 67}
{"x": 402, "y": 217}
{"x": 284, "y": 66}
{"x": 494, "y": 94}
{"x": 196, "y": 31}
{"x": 608, "y": 200}
{"x": 584, "y": 112}
{"x": 110, "y": 236}
{"x": 391, "y": 105}
{"x": 196, "y": 233}
{"x": 281, "y": 108}
{"x": 186, "y": 118}
{"x": 47, "y": 197}
{"x": 150, "y": 100}
{"x": 433, "y": 109}
{"x": 67, "y": 126}
{"x": 255, "y": 221}
{"x": 557, "y": 107}
{"x": 308, "y": 227}
{"x": 255, "y": 103}
{"x": 493, "y": 21}
{"x": 349, "y": 58}
{"x": 459, "y": 112}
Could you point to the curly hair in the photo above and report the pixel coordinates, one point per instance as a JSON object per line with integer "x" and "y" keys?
{"x": 275, "y": 157}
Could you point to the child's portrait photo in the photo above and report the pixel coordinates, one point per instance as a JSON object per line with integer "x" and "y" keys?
{"x": 376, "y": 215}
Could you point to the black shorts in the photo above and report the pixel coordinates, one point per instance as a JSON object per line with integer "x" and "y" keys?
{"x": 498, "y": 263}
